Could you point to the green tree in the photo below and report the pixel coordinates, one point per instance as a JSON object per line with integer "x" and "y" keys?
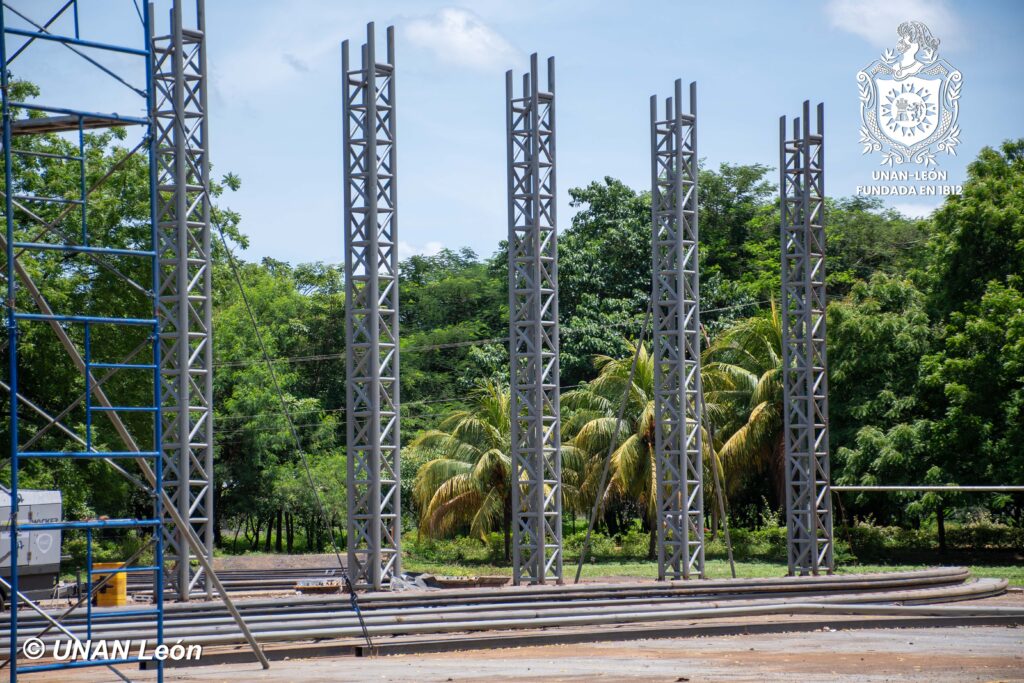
{"x": 591, "y": 427}
{"x": 466, "y": 485}
{"x": 979, "y": 234}
{"x": 320, "y": 363}
{"x": 732, "y": 203}
{"x": 876, "y": 339}
{"x": 449, "y": 303}
{"x": 742, "y": 377}
{"x": 940, "y": 404}
{"x": 743, "y": 390}
{"x": 604, "y": 274}
{"x": 253, "y": 436}
{"x": 878, "y": 426}
{"x": 865, "y": 238}
{"x": 605, "y": 260}
{"x": 976, "y": 384}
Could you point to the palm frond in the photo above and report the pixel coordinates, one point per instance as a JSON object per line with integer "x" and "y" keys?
{"x": 432, "y": 475}
{"x": 631, "y": 463}
{"x": 453, "y": 505}
{"x": 470, "y": 428}
{"x": 596, "y": 435}
{"x": 585, "y": 399}
{"x": 489, "y": 515}
{"x": 443, "y": 444}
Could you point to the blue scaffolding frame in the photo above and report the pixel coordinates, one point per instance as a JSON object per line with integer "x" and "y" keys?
{"x": 61, "y": 119}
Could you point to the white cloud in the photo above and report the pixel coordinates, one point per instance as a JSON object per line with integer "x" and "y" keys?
{"x": 876, "y": 20}
{"x": 276, "y": 47}
{"x": 459, "y": 37}
{"x": 407, "y": 249}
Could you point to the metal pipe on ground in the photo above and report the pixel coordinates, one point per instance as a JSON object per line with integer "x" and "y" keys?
{"x": 612, "y": 619}
{"x": 53, "y": 622}
{"x": 394, "y": 624}
{"x": 968, "y": 590}
{"x": 613, "y": 594}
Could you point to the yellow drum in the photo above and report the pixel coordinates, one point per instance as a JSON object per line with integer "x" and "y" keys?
{"x": 114, "y": 593}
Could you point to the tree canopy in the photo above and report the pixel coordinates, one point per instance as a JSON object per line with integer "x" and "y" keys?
{"x": 925, "y": 335}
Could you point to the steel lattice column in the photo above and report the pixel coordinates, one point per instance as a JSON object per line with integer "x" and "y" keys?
{"x": 184, "y": 304}
{"x": 533, "y": 329}
{"x": 371, "y": 315}
{"x": 676, "y": 295}
{"x": 804, "y": 361}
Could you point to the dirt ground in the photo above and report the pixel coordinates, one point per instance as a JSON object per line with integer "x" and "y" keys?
{"x": 273, "y": 561}
{"x": 976, "y": 653}
{"x": 947, "y": 654}
{"x": 937, "y": 654}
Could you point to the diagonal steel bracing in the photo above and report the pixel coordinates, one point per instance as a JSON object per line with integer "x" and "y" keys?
{"x": 84, "y": 332}
{"x": 371, "y": 322}
{"x": 679, "y": 469}
{"x": 804, "y": 360}
{"x": 533, "y": 329}
{"x": 185, "y": 304}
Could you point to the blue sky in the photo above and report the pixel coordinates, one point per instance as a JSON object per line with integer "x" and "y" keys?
{"x": 276, "y": 103}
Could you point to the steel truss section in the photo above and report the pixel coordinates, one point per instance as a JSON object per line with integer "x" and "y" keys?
{"x": 804, "y": 360}
{"x": 679, "y": 468}
{"x": 185, "y": 302}
{"x": 57, "y": 234}
{"x": 533, "y": 329}
{"x": 371, "y": 320}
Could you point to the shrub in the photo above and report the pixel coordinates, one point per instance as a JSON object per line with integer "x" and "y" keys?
{"x": 103, "y": 549}
{"x": 635, "y": 543}
{"x": 985, "y": 536}
{"x": 601, "y": 547}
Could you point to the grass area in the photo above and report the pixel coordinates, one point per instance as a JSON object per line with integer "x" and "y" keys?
{"x": 715, "y": 568}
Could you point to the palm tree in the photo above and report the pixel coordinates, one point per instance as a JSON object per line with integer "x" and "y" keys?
{"x": 593, "y": 412}
{"x": 467, "y": 483}
{"x": 742, "y": 376}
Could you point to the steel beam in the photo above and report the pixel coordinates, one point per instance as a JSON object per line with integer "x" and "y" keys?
{"x": 185, "y": 302}
{"x": 533, "y": 329}
{"x": 371, "y": 315}
{"x": 804, "y": 360}
{"x": 679, "y": 468}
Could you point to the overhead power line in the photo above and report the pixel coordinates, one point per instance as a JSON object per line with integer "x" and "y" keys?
{"x": 312, "y": 358}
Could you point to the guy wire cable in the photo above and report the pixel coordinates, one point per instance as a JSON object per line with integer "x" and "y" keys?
{"x": 295, "y": 437}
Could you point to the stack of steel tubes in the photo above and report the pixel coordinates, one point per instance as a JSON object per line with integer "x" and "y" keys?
{"x": 551, "y": 607}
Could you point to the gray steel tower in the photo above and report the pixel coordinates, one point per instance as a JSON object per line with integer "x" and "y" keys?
{"x": 804, "y": 361}
{"x": 371, "y": 315}
{"x": 184, "y": 301}
{"x": 533, "y": 329}
{"x": 679, "y": 466}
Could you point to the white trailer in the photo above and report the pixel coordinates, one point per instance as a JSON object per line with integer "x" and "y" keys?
{"x": 38, "y": 550}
